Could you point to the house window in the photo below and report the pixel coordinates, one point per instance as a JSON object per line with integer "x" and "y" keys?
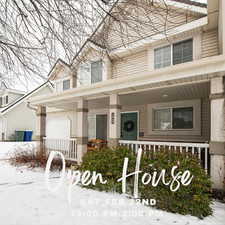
{"x": 179, "y": 52}
{"x": 162, "y": 57}
{"x": 6, "y": 99}
{"x": 66, "y": 85}
{"x": 183, "y": 52}
{"x": 96, "y": 72}
{"x": 173, "y": 118}
{"x": 0, "y": 101}
{"x": 90, "y": 73}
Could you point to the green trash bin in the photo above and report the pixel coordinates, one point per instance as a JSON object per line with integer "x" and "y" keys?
{"x": 19, "y": 135}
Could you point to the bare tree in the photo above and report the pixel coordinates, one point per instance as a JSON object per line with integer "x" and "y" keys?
{"x": 34, "y": 33}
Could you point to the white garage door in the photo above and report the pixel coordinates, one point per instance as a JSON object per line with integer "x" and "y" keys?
{"x": 58, "y": 127}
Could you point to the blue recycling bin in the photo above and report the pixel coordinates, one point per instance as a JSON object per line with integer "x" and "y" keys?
{"x": 28, "y": 135}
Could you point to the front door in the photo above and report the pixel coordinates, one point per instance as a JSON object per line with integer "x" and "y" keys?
{"x": 101, "y": 127}
{"x": 129, "y": 126}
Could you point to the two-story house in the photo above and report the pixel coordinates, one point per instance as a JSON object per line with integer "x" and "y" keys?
{"x": 138, "y": 85}
{"x": 15, "y": 113}
{"x": 8, "y": 95}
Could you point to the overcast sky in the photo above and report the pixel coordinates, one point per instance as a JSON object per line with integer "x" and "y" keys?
{"x": 19, "y": 84}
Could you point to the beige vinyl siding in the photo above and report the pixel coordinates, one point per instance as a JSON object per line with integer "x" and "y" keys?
{"x": 13, "y": 97}
{"x": 143, "y": 125}
{"x": 153, "y": 21}
{"x": 130, "y": 65}
{"x": 210, "y": 44}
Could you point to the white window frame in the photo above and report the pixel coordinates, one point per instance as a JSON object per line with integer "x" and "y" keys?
{"x": 89, "y": 64}
{"x": 196, "y": 130}
{"x": 171, "y": 55}
{"x": 60, "y": 81}
{"x": 69, "y": 84}
{"x": 4, "y": 100}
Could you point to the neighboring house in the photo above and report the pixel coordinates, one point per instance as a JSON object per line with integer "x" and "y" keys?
{"x": 17, "y": 115}
{"x": 8, "y": 95}
{"x": 161, "y": 90}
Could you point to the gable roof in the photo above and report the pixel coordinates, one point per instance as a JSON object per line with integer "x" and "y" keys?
{"x": 59, "y": 61}
{"x": 3, "y": 85}
{"x": 91, "y": 38}
{"x": 24, "y": 97}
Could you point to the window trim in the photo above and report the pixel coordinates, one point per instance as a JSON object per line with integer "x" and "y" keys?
{"x": 69, "y": 80}
{"x": 171, "y": 53}
{"x": 4, "y": 97}
{"x": 196, "y": 130}
{"x": 89, "y": 64}
{"x": 100, "y": 60}
{"x": 60, "y": 81}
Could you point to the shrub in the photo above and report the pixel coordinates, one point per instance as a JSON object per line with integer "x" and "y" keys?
{"x": 32, "y": 158}
{"x": 194, "y": 199}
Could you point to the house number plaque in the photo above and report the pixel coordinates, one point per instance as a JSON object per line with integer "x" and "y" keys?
{"x": 112, "y": 118}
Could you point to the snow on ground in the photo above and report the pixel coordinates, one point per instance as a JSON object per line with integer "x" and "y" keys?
{"x": 7, "y": 148}
{"x": 25, "y": 200}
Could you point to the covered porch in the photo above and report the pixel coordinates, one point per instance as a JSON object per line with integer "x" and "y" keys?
{"x": 183, "y": 115}
{"x": 177, "y": 117}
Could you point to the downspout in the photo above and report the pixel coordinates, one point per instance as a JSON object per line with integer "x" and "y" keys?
{"x": 31, "y": 107}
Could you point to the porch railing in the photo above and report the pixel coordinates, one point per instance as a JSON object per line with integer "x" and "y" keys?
{"x": 68, "y": 147}
{"x": 201, "y": 150}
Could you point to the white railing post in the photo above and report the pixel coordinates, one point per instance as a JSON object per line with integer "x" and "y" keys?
{"x": 192, "y": 148}
{"x": 68, "y": 147}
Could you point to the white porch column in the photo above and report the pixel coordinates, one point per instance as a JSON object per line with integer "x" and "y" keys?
{"x": 40, "y": 128}
{"x": 217, "y": 144}
{"x": 114, "y": 123}
{"x": 82, "y": 128}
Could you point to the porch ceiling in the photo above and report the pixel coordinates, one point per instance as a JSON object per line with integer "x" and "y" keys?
{"x": 176, "y": 93}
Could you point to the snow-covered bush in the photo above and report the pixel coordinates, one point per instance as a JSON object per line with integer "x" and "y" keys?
{"x": 194, "y": 199}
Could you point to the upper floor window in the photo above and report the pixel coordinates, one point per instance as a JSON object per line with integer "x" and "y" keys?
{"x": 183, "y": 52}
{"x": 90, "y": 73}
{"x": 66, "y": 85}
{"x": 177, "y": 53}
{"x": 96, "y": 72}
{"x": 162, "y": 57}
